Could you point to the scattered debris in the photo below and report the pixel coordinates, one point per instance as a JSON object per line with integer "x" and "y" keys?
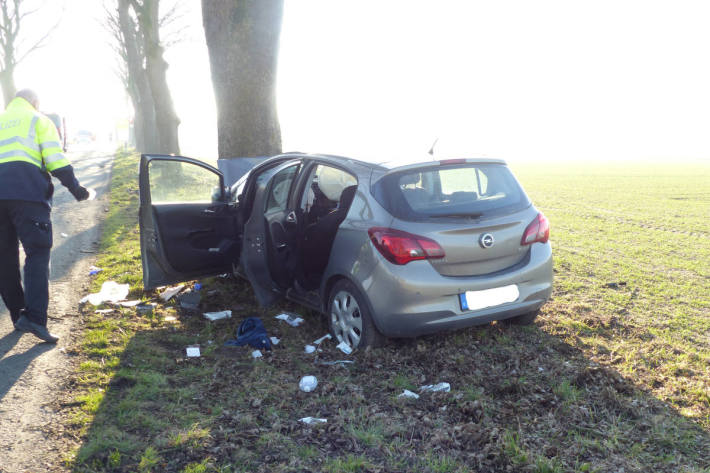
{"x": 212, "y": 292}
{"x": 308, "y": 384}
{"x": 408, "y": 393}
{"x": 615, "y": 285}
{"x": 170, "y": 292}
{"x": 93, "y": 270}
{"x": 212, "y": 316}
{"x": 322, "y": 339}
{"x": 135, "y": 303}
{"x": 313, "y": 420}
{"x": 250, "y": 332}
{"x": 256, "y": 354}
{"x": 309, "y": 349}
{"x": 170, "y": 318}
{"x": 274, "y": 340}
{"x": 189, "y": 300}
{"x": 103, "y": 311}
{"x": 337, "y": 362}
{"x": 435, "y": 388}
{"x": 344, "y": 347}
{"x": 193, "y": 351}
{"x": 197, "y": 286}
{"x": 292, "y": 319}
{"x": 64, "y": 235}
{"x": 111, "y": 291}
{"x": 146, "y": 308}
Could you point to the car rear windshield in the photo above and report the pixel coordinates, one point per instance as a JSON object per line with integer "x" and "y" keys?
{"x": 451, "y": 191}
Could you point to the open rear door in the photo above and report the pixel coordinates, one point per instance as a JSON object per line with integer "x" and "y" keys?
{"x": 189, "y": 229}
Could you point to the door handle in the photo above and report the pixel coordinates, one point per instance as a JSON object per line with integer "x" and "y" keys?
{"x": 209, "y": 211}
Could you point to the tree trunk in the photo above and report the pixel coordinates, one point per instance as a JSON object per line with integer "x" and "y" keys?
{"x": 167, "y": 121}
{"x": 243, "y": 40}
{"x": 7, "y": 82}
{"x": 145, "y": 118}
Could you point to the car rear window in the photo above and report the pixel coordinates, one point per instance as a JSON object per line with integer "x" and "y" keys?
{"x": 468, "y": 190}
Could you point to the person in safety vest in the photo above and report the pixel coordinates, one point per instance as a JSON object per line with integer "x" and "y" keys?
{"x": 29, "y": 152}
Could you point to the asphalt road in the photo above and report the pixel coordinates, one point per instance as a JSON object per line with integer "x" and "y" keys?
{"x": 30, "y": 371}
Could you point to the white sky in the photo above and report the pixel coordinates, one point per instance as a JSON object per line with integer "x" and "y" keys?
{"x": 518, "y": 80}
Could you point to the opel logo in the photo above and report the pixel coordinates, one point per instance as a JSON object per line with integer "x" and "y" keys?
{"x": 486, "y": 240}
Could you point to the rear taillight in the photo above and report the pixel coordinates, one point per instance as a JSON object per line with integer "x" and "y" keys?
{"x": 538, "y": 230}
{"x": 400, "y": 247}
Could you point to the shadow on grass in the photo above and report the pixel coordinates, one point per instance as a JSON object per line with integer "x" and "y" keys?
{"x": 520, "y": 399}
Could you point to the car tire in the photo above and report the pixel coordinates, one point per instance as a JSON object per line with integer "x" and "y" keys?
{"x": 525, "y": 319}
{"x": 349, "y": 317}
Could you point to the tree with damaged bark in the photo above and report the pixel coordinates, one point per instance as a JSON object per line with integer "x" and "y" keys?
{"x": 12, "y": 17}
{"x": 136, "y": 26}
{"x": 243, "y": 40}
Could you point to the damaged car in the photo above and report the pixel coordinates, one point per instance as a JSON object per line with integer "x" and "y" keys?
{"x": 383, "y": 250}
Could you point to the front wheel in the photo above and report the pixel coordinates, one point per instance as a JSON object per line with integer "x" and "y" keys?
{"x": 349, "y": 317}
{"x": 525, "y": 319}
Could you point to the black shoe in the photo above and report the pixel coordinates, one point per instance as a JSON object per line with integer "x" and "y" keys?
{"x": 23, "y": 324}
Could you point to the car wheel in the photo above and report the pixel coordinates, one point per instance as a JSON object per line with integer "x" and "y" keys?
{"x": 349, "y": 317}
{"x": 525, "y": 319}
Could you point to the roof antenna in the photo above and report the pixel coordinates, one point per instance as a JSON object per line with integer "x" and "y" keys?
{"x": 431, "y": 150}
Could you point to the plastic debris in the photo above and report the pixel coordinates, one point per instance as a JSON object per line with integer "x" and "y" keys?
{"x": 129, "y": 303}
{"x": 193, "y": 351}
{"x": 308, "y": 384}
{"x": 327, "y": 336}
{"x": 408, "y": 393}
{"x": 435, "y": 388}
{"x": 170, "y": 318}
{"x": 170, "y": 292}
{"x": 309, "y": 349}
{"x": 93, "y": 270}
{"x": 212, "y": 316}
{"x": 103, "y": 311}
{"x": 274, "y": 340}
{"x": 145, "y": 308}
{"x": 291, "y": 319}
{"x": 337, "y": 362}
{"x": 313, "y": 420}
{"x": 189, "y": 300}
{"x": 256, "y": 354}
{"x": 344, "y": 347}
{"x": 64, "y": 235}
{"x": 198, "y": 286}
{"x": 110, "y": 292}
{"x": 212, "y": 292}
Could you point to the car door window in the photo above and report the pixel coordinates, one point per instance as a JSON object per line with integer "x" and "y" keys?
{"x": 277, "y": 198}
{"x": 174, "y": 181}
{"x": 323, "y": 189}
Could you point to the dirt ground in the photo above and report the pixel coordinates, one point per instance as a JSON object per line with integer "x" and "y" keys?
{"x": 30, "y": 371}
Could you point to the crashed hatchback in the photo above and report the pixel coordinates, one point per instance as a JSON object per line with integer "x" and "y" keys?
{"x": 382, "y": 250}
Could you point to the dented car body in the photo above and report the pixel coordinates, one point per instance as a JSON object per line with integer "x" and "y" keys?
{"x": 383, "y": 250}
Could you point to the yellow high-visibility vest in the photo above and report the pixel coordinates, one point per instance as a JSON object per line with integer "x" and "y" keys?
{"x": 29, "y": 136}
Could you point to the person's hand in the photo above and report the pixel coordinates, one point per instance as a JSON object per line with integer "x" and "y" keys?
{"x": 80, "y": 193}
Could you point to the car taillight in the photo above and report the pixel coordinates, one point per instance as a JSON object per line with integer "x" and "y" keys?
{"x": 400, "y": 247}
{"x": 538, "y": 230}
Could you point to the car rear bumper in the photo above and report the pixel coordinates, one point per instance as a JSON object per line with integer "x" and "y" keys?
{"x": 415, "y": 299}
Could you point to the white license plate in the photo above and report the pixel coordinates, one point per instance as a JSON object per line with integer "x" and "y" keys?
{"x": 476, "y": 300}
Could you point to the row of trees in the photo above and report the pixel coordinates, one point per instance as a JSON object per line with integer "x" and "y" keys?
{"x": 242, "y": 38}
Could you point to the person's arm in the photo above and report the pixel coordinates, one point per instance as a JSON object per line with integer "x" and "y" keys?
{"x": 54, "y": 160}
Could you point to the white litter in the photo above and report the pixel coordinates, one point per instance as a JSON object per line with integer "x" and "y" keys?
{"x": 110, "y": 292}
{"x": 103, "y": 311}
{"x": 313, "y": 420}
{"x": 212, "y": 316}
{"x": 308, "y": 383}
{"x": 193, "y": 352}
{"x": 274, "y": 340}
{"x": 129, "y": 303}
{"x": 256, "y": 354}
{"x": 309, "y": 349}
{"x": 408, "y": 393}
{"x": 322, "y": 339}
{"x": 337, "y": 362}
{"x": 290, "y": 319}
{"x": 435, "y": 388}
{"x": 345, "y": 348}
{"x": 170, "y": 318}
{"x": 170, "y": 292}
{"x": 64, "y": 235}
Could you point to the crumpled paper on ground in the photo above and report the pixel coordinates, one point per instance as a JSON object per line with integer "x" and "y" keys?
{"x": 110, "y": 291}
{"x": 434, "y": 388}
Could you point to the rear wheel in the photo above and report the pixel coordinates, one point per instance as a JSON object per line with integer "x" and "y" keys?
{"x": 349, "y": 317}
{"x": 525, "y": 319}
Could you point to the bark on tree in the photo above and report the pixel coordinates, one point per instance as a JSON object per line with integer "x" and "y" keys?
{"x": 243, "y": 40}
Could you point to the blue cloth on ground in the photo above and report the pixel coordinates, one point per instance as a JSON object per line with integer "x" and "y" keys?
{"x": 251, "y": 332}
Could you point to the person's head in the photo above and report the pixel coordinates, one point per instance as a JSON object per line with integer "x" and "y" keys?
{"x": 29, "y": 95}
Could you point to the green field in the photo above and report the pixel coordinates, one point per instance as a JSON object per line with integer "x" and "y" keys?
{"x": 614, "y": 375}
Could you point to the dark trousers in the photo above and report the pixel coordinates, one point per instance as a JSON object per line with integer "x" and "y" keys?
{"x": 29, "y": 223}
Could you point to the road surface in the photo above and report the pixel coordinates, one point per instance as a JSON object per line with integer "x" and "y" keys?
{"x": 31, "y": 371}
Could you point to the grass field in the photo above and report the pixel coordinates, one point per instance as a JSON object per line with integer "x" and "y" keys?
{"x": 614, "y": 375}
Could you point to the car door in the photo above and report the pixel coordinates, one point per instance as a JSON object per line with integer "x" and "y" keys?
{"x": 269, "y": 247}
{"x": 188, "y": 226}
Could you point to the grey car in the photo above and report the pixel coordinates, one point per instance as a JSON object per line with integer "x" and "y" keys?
{"x": 383, "y": 250}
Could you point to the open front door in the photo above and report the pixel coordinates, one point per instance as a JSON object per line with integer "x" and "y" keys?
{"x": 188, "y": 227}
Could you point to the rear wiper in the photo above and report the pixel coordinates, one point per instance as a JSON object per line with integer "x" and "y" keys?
{"x": 457, "y": 215}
